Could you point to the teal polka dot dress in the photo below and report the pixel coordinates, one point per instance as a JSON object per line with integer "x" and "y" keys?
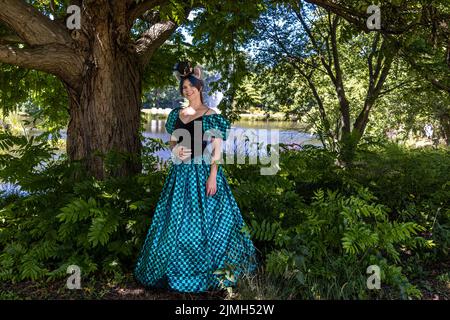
{"x": 193, "y": 236}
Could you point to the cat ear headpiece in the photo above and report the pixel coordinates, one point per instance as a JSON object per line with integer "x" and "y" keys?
{"x": 183, "y": 69}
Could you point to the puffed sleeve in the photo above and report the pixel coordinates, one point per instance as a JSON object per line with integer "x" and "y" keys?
{"x": 215, "y": 125}
{"x": 171, "y": 120}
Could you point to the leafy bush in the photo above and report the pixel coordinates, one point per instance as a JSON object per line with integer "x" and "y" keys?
{"x": 67, "y": 218}
{"x": 339, "y": 237}
{"x": 320, "y": 226}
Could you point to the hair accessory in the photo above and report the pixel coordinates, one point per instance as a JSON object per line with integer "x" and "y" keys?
{"x": 183, "y": 69}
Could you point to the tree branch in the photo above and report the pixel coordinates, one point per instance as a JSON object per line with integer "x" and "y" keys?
{"x": 384, "y": 63}
{"x": 10, "y": 39}
{"x": 31, "y": 25}
{"x": 426, "y": 74}
{"x": 326, "y": 65}
{"x": 400, "y": 85}
{"x": 52, "y": 58}
{"x": 387, "y": 63}
{"x": 350, "y": 15}
{"x": 152, "y": 39}
{"x": 370, "y": 58}
{"x": 155, "y": 36}
{"x": 338, "y": 82}
{"x": 138, "y": 9}
{"x": 308, "y": 77}
{"x": 359, "y": 18}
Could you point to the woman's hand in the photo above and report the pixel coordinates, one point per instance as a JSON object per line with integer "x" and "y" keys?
{"x": 211, "y": 185}
{"x": 181, "y": 152}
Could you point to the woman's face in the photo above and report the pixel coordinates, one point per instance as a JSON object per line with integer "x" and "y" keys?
{"x": 190, "y": 91}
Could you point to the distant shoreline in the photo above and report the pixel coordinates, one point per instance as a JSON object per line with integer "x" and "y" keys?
{"x": 278, "y": 116}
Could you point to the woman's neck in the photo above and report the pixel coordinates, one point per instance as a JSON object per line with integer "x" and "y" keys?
{"x": 197, "y": 108}
{"x": 196, "y": 104}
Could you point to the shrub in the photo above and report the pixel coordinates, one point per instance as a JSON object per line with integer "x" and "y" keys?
{"x": 66, "y": 217}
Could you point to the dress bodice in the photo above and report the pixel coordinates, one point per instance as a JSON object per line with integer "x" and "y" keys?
{"x": 212, "y": 126}
{"x": 190, "y": 128}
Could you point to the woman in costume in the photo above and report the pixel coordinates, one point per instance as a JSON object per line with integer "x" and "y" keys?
{"x": 197, "y": 227}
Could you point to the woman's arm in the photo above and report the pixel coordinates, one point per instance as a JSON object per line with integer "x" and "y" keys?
{"x": 216, "y": 155}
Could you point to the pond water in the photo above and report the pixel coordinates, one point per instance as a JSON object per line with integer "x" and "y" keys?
{"x": 247, "y": 138}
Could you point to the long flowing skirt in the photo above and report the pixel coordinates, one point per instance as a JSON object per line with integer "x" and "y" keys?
{"x": 192, "y": 235}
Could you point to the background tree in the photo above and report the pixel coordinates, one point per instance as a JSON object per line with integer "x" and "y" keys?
{"x": 421, "y": 30}
{"x": 317, "y": 44}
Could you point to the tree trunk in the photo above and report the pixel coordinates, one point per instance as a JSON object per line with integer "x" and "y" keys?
{"x": 105, "y": 109}
{"x": 106, "y": 117}
{"x": 444, "y": 119}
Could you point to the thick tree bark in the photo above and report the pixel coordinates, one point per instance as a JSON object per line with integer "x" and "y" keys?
{"x": 444, "y": 120}
{"x": 105, "y": 111}
{"x": 106, "y": 116}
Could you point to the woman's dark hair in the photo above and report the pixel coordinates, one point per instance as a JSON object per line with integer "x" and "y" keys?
{"x": 195, "y": 82}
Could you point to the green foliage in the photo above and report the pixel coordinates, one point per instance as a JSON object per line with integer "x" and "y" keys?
{"x": 65, "y": 218}
{"x": 264, "y": 231}
{"x": 318, "y": 225}
{"x": 339, "y": 237}
{"x": 332, "y": 223}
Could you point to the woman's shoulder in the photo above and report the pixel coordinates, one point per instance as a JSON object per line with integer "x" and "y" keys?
{"x": 216, "y": 122}
{"x": 210, "y": 112}
{"x": 214, "y": 115}
{"x": 173, "y": 114}
{"x": 176, "y": 109}
{"x": 173, "y": 111}
{"x": 171, "y": 119}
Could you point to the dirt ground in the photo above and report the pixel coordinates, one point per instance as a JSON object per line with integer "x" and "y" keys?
{"x": 128, "y": 290}
{"x": 436, "y": 286}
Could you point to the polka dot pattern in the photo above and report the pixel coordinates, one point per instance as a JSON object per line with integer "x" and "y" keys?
{"x": 192, "y": 234}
